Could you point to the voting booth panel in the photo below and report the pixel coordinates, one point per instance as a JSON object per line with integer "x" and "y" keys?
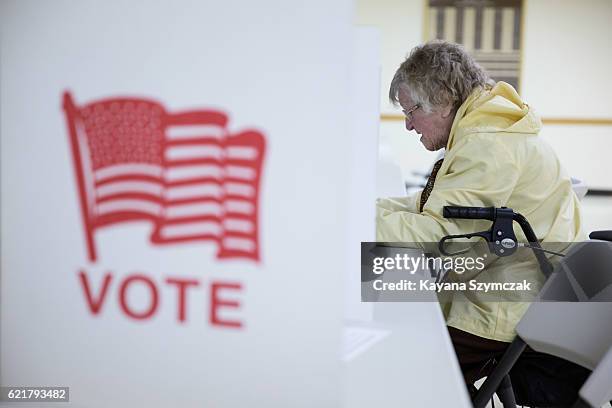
{"x": 167, "y": 176}
{"x": 363, "y": 151}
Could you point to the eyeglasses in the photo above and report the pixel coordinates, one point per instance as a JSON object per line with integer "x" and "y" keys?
{"x": 408, "y": 113}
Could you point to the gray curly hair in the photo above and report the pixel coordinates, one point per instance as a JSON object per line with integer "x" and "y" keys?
{"x": 438, "y": 74}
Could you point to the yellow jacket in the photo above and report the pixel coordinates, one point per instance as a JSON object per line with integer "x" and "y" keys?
{"x": 494, "y": 157}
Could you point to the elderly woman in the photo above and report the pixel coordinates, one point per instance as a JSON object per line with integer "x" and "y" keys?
{"x": 493, "y": 157}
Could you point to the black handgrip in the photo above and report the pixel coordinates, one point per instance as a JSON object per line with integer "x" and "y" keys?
{"x": 475, "y": 213}
{"x": 601, "y": 235}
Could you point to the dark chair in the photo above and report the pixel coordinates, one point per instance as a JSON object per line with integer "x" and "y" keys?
{"x": 568, "y": 324}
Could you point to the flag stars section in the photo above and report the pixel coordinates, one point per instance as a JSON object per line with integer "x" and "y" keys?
{"x": 117, "y": 135}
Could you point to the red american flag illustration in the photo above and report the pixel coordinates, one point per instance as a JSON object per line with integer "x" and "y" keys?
{"x": 183, "y": 171}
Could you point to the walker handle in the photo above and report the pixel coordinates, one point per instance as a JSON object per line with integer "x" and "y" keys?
{"x": 475, "y": 213}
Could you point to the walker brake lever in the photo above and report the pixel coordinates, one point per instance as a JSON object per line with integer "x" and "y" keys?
{"x": 500, "y": 238}
{"x": 442, "y": 248}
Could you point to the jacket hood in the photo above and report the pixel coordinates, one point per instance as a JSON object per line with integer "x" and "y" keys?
{"x": 494, "y": 110}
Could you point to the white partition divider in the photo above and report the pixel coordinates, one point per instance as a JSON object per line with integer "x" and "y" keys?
{"x": 171, "y": 173}
{"x": 363, "y": 155}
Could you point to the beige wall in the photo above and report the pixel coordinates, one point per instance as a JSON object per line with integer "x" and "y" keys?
{"x": 567, "y": 55}
{"x": 566, "y": 73}
{"x": 401, "y": 28}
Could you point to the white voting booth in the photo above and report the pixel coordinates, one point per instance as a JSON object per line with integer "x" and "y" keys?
{"x": 395, "y": 354}
{"x": 175, "y": 178}
{"x": 256, "y": 329}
